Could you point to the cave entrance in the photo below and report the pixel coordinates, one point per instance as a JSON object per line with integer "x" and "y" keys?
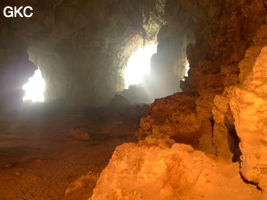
{"x": 186, "y": 69}
{"x": 34, "y": 88}
{"x": 139, "y": 65}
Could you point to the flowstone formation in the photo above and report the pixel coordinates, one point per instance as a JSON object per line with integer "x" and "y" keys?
{"x": 221, "y": 113}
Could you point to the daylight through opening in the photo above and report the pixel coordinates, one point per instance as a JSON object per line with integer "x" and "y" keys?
{"x": 186, "y": 69}
{"x": 34, "y": 88}
{"x": 139, "y": 65}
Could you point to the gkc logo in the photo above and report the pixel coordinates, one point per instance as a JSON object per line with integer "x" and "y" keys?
{"x": 21, "y": 11}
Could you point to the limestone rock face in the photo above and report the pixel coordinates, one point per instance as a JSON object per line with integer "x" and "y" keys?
{"x": 217, "y": 36}
{"x": 82, "y": 188}
{"x": 173, "y": 116}
{"x": 142, "y": 173}
{"x": 165, "y": 66}
{"x": 248, "y": 104}
{"x": 221, "y": 42}
{"x": 221, "y": 133}
{"x": 182, "y": 117}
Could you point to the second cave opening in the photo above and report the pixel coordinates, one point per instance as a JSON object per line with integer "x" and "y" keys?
{"x": 139, "y": 65}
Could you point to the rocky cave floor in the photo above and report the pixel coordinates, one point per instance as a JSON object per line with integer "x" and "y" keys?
{"x": 43, "y": 152}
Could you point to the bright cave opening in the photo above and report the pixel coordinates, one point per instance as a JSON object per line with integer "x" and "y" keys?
{"x": 139, "y": 65}
{"x": 34, "y": 88}
{"x": 186, "y": 69}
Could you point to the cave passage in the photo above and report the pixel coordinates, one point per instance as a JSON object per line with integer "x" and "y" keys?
{"x": 34, "y": 88}
{"x": 187, "y": 67}
{"x": 133, "y": 99}
{"x": 139, "y": 65}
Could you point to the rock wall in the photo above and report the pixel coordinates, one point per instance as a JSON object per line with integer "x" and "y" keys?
{"x": 166, "y": 66}
{"x": 139, "y": 172}
{"x": 223, "y": 41}
{"x": 248, "y": 103}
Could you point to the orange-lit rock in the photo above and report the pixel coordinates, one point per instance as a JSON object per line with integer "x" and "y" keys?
{"x": 82, "y": 188}
{"x": 221, "y": 132}
{"x": 181, "y": 117}
{"x": 248, "y": 104}
{"x": 137, "y": 172}
{"x": 174, "y": 116}
{"x": 203, "y": 108}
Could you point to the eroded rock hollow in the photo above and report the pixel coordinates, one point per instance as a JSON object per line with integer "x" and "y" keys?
{"x": 204, "y": 135}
